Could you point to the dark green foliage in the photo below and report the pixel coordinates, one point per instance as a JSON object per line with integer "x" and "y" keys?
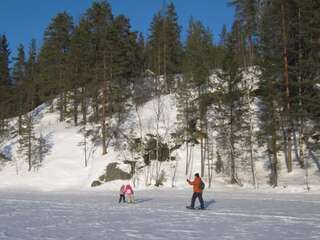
{"x": 150, "y": 150}
{"x": 5, "y": 84}
{"x": 4, "y": 61}
{"x": 53, "y": 60}
{"x": 19, "y": 68}
{"x": 198, "y": 60}
{"x": 247, "y": 14}
{"x": 164, "y": 46}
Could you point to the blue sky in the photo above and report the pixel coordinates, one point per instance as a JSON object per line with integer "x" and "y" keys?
{"x": 22, "y": 20}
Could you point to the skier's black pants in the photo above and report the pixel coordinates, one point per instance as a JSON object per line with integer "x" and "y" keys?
{"x": 122, "y": 197}
{"x": 194, "y": 197}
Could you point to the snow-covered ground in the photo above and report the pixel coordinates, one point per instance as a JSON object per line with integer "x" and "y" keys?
{"x": 158, "y": 215}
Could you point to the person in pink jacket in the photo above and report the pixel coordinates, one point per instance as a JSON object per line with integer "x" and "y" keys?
{"x": 129, "y": 193}
{"x": 122, "y": 194}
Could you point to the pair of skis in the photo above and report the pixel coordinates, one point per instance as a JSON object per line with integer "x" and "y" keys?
{"x": 197, "y": 208}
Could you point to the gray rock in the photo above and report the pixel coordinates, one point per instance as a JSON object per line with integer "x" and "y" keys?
{"x": 112, "y": 173}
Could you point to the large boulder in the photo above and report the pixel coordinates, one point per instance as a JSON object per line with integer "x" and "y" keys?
{"x": 112, "y": 173}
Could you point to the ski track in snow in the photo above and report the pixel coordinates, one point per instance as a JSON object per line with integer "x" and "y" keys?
{"x": 158, "y": 215}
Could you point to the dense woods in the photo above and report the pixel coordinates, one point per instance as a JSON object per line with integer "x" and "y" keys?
{"x": 97, "y": 69}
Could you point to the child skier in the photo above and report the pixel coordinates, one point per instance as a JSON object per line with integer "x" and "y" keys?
{"x": 122, "y": 194}
{"x": 129, "y": 193}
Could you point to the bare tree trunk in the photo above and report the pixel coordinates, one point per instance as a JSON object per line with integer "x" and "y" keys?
{"x": 187, "y": 158}
{"x": 201, "y": 117}
{"x": 187, "y": 137}
{"x": 61, "y": 100}
{"x": 233, "y": 179}
{"x": 75, "y": 107}
{"x": 251, "y": 46}
{"x": 274, "y": 150}
{"x": 202, "y": 154}
{"x": 252, "y": 160}
{"x": 84, "y": 105}
{"x": 104, "y": 102}
{"x": 174, "y": 172}
{"x": 286, "y": 82}
{"x": 158, "y": 96}
{"x": 29, "y": 143}
{"x": 85, "y": 145}
{"x": 301, "y": 117}
{"x": 211, "y": 164}
{"x": 191, "y": 161}
{"x": 19, "y": 124}
{"x": 61, "y": 108}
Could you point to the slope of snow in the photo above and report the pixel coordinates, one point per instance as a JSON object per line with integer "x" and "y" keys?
{"x": 158, "y": 215}
{"x": 63, "y": 167}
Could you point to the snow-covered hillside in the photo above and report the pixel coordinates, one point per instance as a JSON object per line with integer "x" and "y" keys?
{"x": 63, "y": 166}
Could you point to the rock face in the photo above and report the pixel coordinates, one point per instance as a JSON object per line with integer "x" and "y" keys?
{"x": 3, "y": 158}
{"x": 112, "y": 173}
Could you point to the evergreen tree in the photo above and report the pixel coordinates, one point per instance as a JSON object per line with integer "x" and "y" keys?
{"x": 270, "y": 84}
{"x": 31, "y": 84}
{"x": 5, "y": 83}
{"x": 54, "y": 60}
{"x": 231, "y": 102}
{"x": 19, "y": 77}
{"x": 164, "y": 45}
{"x": 174, "y": 51}
{"x": 247, "y": 15}
{"x": 220, "y": 48}
{"x": 4, "y": 61}
{"x": 302, "y": 59}
{"x": 81, "y": 64}
{"x": 197, "y": 68}
{"x": 100, "y": 19}
{"x": 19, "y": 67}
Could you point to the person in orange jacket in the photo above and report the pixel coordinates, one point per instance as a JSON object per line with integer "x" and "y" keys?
{"x": 197, "y": 191}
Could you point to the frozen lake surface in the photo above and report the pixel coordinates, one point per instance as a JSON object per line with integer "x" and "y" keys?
{"x": 158, "y": 215}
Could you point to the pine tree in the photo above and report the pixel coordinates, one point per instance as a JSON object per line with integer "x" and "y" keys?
{"x": 230, "y": 101}
{"x": 19, "y": 77}
{"x": 247, "y": 15}
{"x": 81, "y": 62}
{"x": 185, "y": 116}
{"x": 270, "y": 63}
{"x": 100, "y": 18}
{"x": 174, "y": 51}
{"x": 31, "y": 84}
{"x": 19, "y": 68}
{"x": 164, "y": 45}
{"x": 197, "y": 68}
{"x": 5, "y": 83}
{"x": 303, "y": 74}
{"x": 4, "y": 61}
{"x": 54, "y": 60}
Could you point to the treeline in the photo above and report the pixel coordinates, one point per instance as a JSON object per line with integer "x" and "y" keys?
{"x": 269, "y": 58}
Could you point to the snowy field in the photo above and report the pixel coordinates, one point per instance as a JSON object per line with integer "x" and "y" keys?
{"x": 158, "y": 215}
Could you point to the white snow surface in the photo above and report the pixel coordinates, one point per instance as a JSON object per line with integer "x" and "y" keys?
{"x": 158, "y": 215}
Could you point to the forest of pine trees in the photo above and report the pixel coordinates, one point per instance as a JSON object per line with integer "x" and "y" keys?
{"x": 97, "y": 63}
